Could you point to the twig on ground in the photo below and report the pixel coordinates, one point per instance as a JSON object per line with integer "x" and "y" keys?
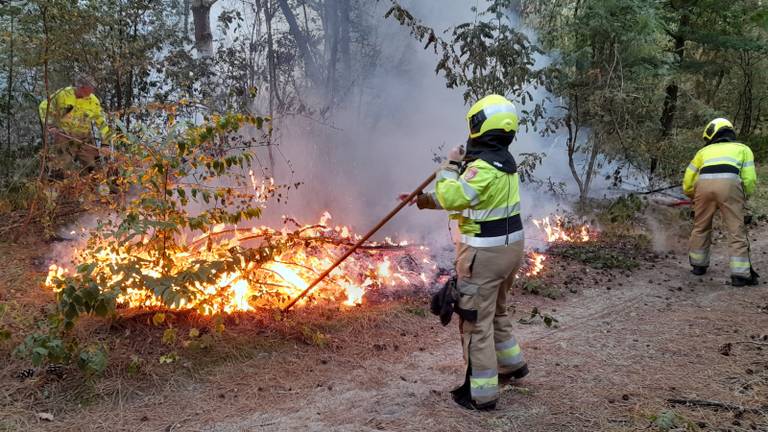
{"x": 750, "y": 343}
{"x": 715, "y": 404}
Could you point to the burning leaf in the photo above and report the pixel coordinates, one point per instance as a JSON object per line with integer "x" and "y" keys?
{"x": 158, "y": 319}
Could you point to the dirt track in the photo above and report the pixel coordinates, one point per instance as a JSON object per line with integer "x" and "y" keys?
{"x": 616, "y": 358}
{"x": 610, "y": 366}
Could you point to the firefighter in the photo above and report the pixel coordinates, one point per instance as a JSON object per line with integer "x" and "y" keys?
{"x": 721, "y": 176}
{"x": 74, "y": 120}
{"x": 481, "y": 188}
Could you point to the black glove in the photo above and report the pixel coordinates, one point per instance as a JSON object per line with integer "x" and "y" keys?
{"x": 748, "y": 219}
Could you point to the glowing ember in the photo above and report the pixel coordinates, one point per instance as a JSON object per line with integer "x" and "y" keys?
{"x": 305, "y": 253}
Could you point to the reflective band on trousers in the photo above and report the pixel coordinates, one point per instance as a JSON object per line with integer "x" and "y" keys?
{"x": 699, "y": 258}
{"x": 509, "y": 353}
{"x": 722, "y": 159}
{"x": 484, "y": 383}
{"x": 740, "y": 266}
{"x": 481, "y": 242}
{"x": 719, "y": 176}
{"x": 497, "y": 213}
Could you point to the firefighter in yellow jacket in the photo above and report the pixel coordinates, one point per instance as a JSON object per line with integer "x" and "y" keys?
{"x": 481, "y": 189}
{"x": 74, "y": 120}
{"x": 721, "y": 177}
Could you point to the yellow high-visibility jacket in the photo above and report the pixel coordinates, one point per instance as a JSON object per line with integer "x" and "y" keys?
{"x": 719, "y": 161}
{"x": 488, "y": 199}
{"x": 74, "y": 115}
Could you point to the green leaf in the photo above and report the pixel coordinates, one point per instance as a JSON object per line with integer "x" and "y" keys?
{"x": 92, "y": 360}
{"x": 667, "y": 420}
{"x": 101, "y": 308}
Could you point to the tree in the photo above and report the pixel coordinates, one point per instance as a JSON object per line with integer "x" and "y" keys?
{"x": 201, "y": 16}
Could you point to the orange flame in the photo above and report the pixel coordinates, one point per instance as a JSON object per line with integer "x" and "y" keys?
{"x": 557, "y": 230}
{"x": 288, "y": 273}
{"x": 536, "y": 264}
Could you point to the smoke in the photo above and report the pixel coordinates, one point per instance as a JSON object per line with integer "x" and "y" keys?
{"x": 383, "y": 141}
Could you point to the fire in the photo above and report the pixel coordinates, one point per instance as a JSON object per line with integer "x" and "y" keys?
{"x": 560, "y": 230}
{"x": 310, "y": 249}
{"x": 557, "y": 229}
{"x": 536, "y": 264}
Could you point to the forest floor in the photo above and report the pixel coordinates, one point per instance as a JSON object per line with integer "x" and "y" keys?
{"x": 626, "y": 342}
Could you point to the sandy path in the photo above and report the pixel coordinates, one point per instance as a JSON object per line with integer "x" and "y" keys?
{"x": 615, "y": 358}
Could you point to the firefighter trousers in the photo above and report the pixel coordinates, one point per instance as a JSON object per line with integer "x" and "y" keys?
{"x": 484, "y": 277}
{"x": 726, "y": 195}
{"x": 73, "y": 155}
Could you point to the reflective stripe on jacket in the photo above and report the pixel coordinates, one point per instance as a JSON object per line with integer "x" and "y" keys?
{"x": 722, "y": 160}
{"x": 74, "y": 115}
{"x": 488, "y": 199}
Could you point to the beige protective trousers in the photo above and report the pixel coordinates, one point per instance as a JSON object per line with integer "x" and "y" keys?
{"x": 484, "y": 277}
{"x": 69, "y": 154}
{"x": 727, "y": 195}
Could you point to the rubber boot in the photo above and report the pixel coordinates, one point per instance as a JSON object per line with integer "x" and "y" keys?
{"x": 699, "y": 270}
{"x": 463, "y": 396}
{"x": 520, "y": 373}
{"x": 752, "y": 280}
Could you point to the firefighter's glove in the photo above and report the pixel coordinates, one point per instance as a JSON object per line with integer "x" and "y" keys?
{"x": 747, "y": 219}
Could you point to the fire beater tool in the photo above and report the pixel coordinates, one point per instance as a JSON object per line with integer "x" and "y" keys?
{"x": 360, "y": 242}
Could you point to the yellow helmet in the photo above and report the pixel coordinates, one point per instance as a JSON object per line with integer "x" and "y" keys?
{"x": 716, "y": 126}
{"x": 491, "y": 113}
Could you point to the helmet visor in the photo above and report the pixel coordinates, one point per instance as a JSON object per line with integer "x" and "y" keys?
{"x": 476, "y": 122}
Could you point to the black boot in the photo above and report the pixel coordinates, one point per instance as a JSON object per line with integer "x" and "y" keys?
{"x": 699, "y": 270}
{"x": 520, "y": 373}
{"x": 752, "y": 280}
{"x": 462, "y": 395}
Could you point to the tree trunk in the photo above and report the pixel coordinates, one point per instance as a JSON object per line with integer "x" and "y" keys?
{"x": 9, "y": 97}
{"x": 187, "y": 6}
{"x": 201, "y": 15}
{"x": 331, "y": 27}
{"x": 345, "y": 49}
{"x": 746, "y": 95}
{"x": 274, "y": 96}
{"x": 572, "y": 142}
{"x": 669, "y": 109}
{"x": 302, "y": 42}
